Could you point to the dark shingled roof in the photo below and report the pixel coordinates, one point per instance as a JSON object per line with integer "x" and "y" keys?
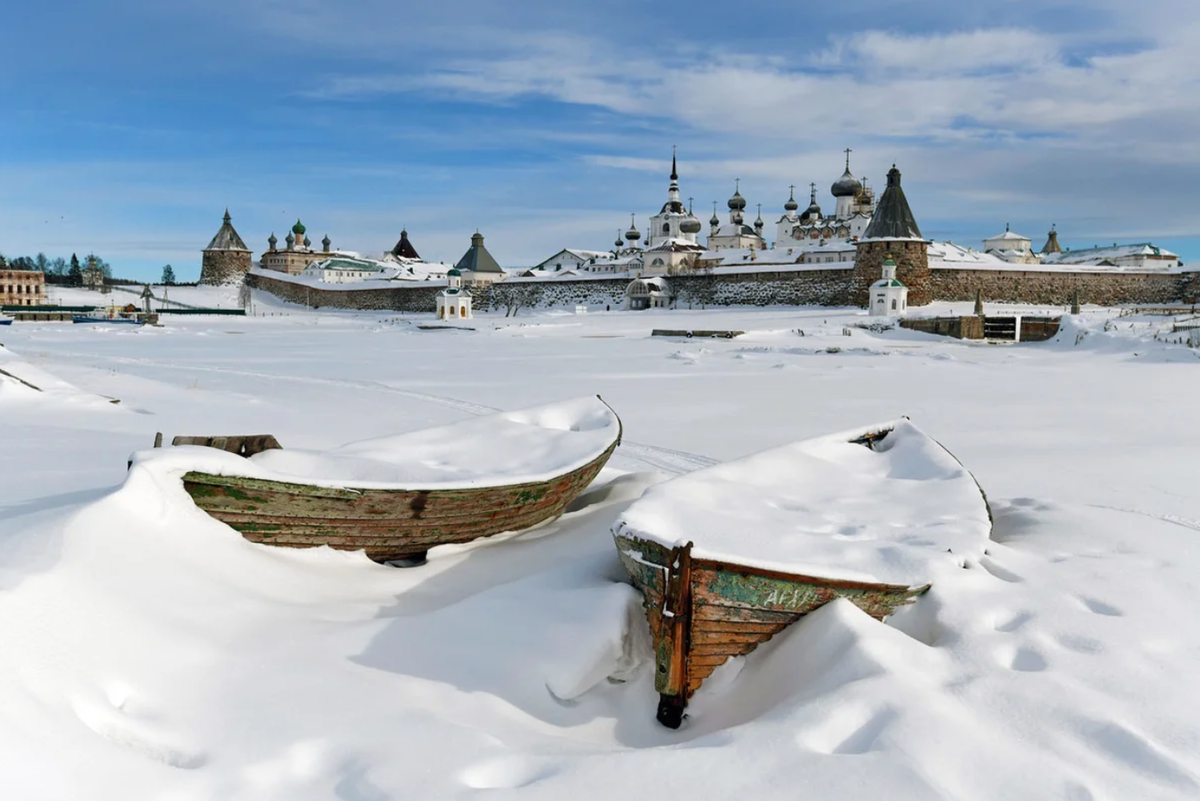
{"x": 477, "y": 259}
{"x": 1052, "y": 245}
{"x": 893, "y": 219}
{"x": 227, "y": 238}
{"x": 404, "y": 248}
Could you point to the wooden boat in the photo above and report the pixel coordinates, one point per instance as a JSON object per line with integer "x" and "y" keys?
{"x": 398, "y": 522}
{"x": 706, "y": 602}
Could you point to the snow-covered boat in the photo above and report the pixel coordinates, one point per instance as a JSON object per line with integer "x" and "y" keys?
{"x": 397, "y": 497}
{"x": 728, "y": 556}
{"x": 5, "y": 320}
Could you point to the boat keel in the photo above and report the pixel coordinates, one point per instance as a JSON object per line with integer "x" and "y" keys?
{"x": 670, "y": 710}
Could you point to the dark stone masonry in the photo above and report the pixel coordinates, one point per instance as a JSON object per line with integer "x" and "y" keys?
{"x": 831, "y": 287}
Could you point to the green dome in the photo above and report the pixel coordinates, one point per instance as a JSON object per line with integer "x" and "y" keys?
{"x": 453, "y": 271}
{"x": 298, "y": 228}
{"x": 889, "y": 261}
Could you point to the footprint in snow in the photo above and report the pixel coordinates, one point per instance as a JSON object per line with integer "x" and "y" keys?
{"x": 1028, "y": 660}
{"x": 1009, "y": 622}
{"x": 1099, "y": 607}
{"x": 1002, "y": 573}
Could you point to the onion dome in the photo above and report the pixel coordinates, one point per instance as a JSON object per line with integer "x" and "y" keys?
{"x": 791, "y": 204}
{"x": 298, "y": 229}
{"x": 846, "y": 186}
{"x": 813, "y": 212}
{"x": 272, "y": 241}
{"x": 737, "y": 202}
{"x": 620, "y": 242}
{"x": 291, "y": 240}
{"x": 758, "y": 224}
{"x": 633, "y": 234}
{"x": 690, "y": 225}
{"x": 715, "y": 221}
{"x": 307, "y": 242}
{"x": 453, "y": 271}
{"x": 326, "y": 241}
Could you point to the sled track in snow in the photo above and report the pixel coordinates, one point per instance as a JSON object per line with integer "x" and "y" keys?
{"x": 1177, "y": 520}
{"x": 665, "y": 460}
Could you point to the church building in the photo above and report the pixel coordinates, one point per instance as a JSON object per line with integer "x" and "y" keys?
{"x": 453, "y": 302}
{"x": 297, "y": 253}
{"x": 854, "y": 206}
{"x": 736, "y": 235}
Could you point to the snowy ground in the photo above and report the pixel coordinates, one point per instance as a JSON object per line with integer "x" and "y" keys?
{"x": 150, "y": 652}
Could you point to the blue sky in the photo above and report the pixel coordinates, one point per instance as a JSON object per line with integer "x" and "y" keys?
{"x": 129, "y": 126}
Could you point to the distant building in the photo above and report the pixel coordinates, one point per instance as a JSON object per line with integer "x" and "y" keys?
{"x": 404, "y": 249}
{"x": 453, "y": 302}
{"x": 1011, "y": 248}
{"x": 673, "y": 223}
{"x": 297, "y": 253}
{"x": 22, "y": 287}
{"x": 344, "y": 270}
{"x": 226, "y": 259}
{"x": 854, "y": 206}
{"x": 889, "y": 297}
{"x": 1142, "y": 256}
{"x": 649, "y": 293}
{"x": 893, "y": 234}
{"x": 1051, "y": 245}
{"x": 477, "y": 265}
{"x": 736, "y": 234}
{"x": 572, "y": 259}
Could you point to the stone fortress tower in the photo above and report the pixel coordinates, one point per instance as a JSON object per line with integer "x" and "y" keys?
{"x": 893, "y": 232}
{"x": 226, "y": 260}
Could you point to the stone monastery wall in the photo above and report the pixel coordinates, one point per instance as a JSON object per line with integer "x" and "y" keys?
{"x": 833, "y": 287}
{"x": 1058, "y": 288}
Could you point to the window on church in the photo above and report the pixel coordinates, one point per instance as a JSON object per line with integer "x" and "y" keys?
{"x": 893, "y": 304}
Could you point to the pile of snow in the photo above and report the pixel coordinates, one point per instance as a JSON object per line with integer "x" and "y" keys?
{"x": 826, "y": 507}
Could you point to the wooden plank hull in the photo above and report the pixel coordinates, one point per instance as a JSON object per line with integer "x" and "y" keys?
{"x": 703, "y": 612}
{"x": 388, "y": 524}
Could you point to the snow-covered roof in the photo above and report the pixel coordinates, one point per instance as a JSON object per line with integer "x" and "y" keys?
{"x": 350, "y": 264}
{"x": 1082, "y": 255}
{"x": 675, "y": 246}
{"x": 1008, "y": 236}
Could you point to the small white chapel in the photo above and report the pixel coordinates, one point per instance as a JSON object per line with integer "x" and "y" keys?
{"x": 453, "y": 302}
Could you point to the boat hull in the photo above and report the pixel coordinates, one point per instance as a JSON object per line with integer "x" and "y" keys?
{"x": 5, "y": 321}
{"x": 388, "y": 524}
{"x": 703, "y": 612}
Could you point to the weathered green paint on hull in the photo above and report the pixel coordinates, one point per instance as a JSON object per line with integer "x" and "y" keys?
{"x": 388, "y": 524}
{"x": 729, "y": 610}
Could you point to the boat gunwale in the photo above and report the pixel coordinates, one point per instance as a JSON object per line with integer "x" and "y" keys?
{"x": 307, "y": 489}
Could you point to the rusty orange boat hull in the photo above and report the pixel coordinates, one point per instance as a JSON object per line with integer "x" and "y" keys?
{"x": 702, "y": 612}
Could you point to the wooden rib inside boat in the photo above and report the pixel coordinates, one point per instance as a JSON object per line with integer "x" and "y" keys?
{"x": 397, "y": 523}
{"x": 703, "y": 611}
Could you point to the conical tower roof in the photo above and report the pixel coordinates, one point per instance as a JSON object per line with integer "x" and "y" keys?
{"x": 404, "y": 248}
{"x": 227, "y": 238}
{"x": 477, "y": 259}
{"x": 1052, "y": 245}
{"x": 893, "y": 219}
